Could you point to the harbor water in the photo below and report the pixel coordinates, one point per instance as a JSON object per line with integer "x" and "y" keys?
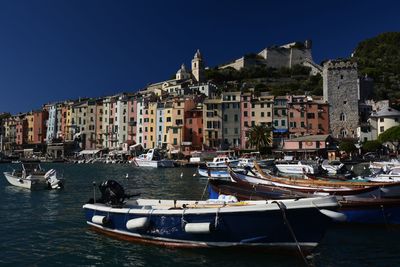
{"x": 48, "y": 228}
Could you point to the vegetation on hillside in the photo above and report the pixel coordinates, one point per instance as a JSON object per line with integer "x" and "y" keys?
{"x": 379, "y": 58}
{"x": 295, "y": 80}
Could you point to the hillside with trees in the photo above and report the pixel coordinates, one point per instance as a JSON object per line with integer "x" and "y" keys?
{"x": 379, "y": 58}
{"x": 295, "y": 80}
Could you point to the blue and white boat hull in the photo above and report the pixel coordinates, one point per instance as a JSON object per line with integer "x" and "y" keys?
{"x": 216, "y": 224}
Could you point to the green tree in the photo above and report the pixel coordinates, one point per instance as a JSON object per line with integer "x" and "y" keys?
{"x": 391, "y": 135}
{"x": 259, "y": 136}
{"x": 371, "y": 146}
{"x": 347, "y": 146}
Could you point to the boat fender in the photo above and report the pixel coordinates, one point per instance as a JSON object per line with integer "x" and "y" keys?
{"x": 138, "y": 223}
{"x": 98, "y": 219}
{"x": 336, "y": 216}
{"x": 198, "y": 228}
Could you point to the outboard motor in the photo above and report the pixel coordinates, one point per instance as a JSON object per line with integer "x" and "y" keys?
{"x": 112, "y": 193}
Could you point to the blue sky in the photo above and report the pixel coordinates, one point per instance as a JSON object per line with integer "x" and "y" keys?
{"x": 55, "y": 50}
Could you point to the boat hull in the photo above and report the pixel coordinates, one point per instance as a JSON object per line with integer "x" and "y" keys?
{"x": 257, "y": 225}
{"x": 32, "y": 183}
{"x": 154, "y": 163}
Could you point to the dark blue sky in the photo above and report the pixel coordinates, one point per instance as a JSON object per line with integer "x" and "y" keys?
{"x": 55, "y": 50}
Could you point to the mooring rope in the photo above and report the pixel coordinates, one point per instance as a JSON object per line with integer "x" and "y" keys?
{"x": 282, "y": 207}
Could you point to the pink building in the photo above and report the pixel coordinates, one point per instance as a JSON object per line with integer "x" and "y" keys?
{"x": 194, "y": 127}
{"x": 245, "y": 118}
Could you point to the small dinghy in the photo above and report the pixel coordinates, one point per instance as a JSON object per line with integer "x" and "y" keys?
{"x": 212, "y": 223}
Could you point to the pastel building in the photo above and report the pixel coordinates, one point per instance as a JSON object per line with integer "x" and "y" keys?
{"x": 307, "y": 117}
{"x": 52, "y": 128}
{"x": 121, "y": 122}
{"x": 140, "y": 114}
{"x": 132, "y": 109}
{"x": 39, "y": 126}
{"x": 194, "y": 127}
{"x": 212, "y": 121}
{"x": 280, "y": 120}
{"x": 160, "y": 118}
{"x": 245, "y": 118}
{"x": 152, "y": 124}
{"x": 262, "y": 110}
{"x": 231, "y": 119}
{"x": 99, "y": 123}
{"x": 381, "y": 120}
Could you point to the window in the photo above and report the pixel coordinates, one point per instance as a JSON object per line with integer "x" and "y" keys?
{"x": 179, "y": 112}
{"x": 225, "y": 117}
{"x": 168, "y": 119}
{"x": 175, "y": 130}
{"x": 200, "y": 130}
{"x": 268, "y": 114}
{"x": 276, "y": 122}
{"x": 382, "y": 119}
{"x": 262, "y": 114}
{"x": 225, "y": 130}
{"x": 175, "y": 141}
{"x": 253, "y": 123}
{"x": 382, "y": 129}
{"x": 302, "y": 125}
{"x": 245, "y": 114}
{"x": 342, "y": 117}
{"x": 245, "y": 105}
{"x": 310, "y": 116}
{"x": 236, "y": 130}
{"x": 253, "y": 113}
{"x": 302, "y": 114}
{"x": 236, "y": 117}
{"x": 291, "y": 114}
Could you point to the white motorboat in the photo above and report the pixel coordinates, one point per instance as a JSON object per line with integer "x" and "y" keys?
{"x": 390, "y": 176}
{"x": 222, "y": 161}
{"x": 152, "y": 159}
{"x": 377, "y": 166}
{"x": 295, "y": 168}
{"x": 332, "y": 167}
{"x": 33, "y": 177}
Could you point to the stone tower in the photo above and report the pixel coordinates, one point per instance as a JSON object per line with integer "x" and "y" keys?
{"x": 340, "y": 86}
{"x": 197, "y": 67}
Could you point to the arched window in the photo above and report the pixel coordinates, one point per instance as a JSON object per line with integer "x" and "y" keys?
{"x": 342, "y": 116}
{"x": 343, "y": 132}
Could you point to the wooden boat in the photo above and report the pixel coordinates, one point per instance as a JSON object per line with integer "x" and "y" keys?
{"x": 188, "y": 223}
{"x": 387, "y": 189}
{"x": 247, "y": 180}
{"x": 33, "y": 177}
{"x": 357, "y": 209}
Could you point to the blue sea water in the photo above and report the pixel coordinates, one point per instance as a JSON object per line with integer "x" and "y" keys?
{"x": 47, "y": 228}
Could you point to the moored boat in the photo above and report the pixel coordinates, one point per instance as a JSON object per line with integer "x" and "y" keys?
{"x": 33, "y": 177}
{"x": 361, "y": 210}
{"x": 295, "y": 167}
{"x": 152, "y": 159}
{"x": 188, "y": 223}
